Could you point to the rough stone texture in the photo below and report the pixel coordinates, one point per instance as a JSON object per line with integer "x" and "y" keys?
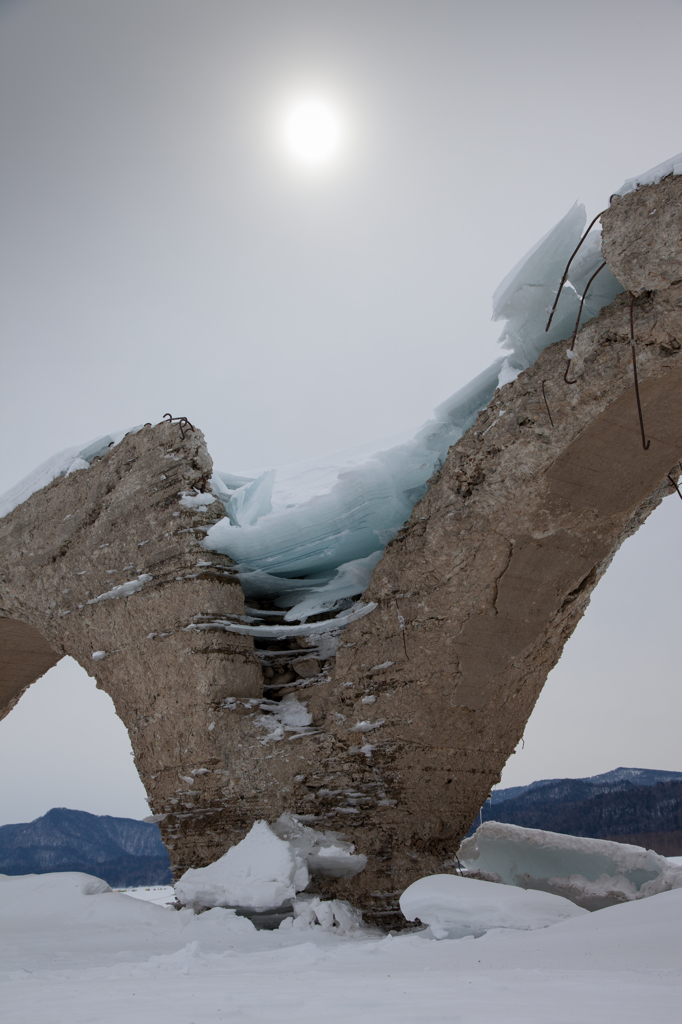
{"x": 476, "y": 598}
{"x": 490, "y": 577}
{"x": 642, "y": 236}
{"x": 98, "y": 528}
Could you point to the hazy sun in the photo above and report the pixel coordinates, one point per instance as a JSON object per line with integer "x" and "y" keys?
{"x": 312, "y": 131}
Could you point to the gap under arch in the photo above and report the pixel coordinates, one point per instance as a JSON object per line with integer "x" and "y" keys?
{"x": 63, "y": 745}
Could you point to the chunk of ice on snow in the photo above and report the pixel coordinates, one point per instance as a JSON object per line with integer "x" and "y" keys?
{"x": 455, "y": 907}
{"x": 269, "y": 866}
{"x": 260, "y": 872}
{"x": 335, "y": 916}
{"x": 593, "y": 873}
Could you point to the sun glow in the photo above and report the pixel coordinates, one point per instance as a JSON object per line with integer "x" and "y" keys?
{"x": 312, "y": 132}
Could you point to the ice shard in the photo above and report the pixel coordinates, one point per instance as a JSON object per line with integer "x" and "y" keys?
{"x": 305, "y": 537}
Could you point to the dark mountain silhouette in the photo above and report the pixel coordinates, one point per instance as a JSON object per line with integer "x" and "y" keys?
{"x": 638, "y": 806}
{"x": 608, "y": 782}
{"x": 122, "y": 851}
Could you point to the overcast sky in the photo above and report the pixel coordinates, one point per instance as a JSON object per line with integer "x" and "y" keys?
{"x": 161, "y": 252}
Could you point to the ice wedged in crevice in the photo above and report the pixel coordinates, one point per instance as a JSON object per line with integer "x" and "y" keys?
{"x": 306, "y": 537}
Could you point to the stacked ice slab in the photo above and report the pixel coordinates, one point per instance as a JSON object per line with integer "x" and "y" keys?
{"x": 593, "y": 873}
{"x": 307, "y": 536}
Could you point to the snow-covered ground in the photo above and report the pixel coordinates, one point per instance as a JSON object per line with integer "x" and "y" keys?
{"x": 74, "y": 953}
{"x": 161, "y": 895}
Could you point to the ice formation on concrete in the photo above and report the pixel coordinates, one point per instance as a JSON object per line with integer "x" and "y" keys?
{"x": 123, "y": 589}
{"x": 454, "y": 907}
{"x": 288, "y": 715}
{"x": 267, "y": 869}
{"x": 592, "y": 873}
{"x": 306, "y": 537}
{"x": 326, "y": 853}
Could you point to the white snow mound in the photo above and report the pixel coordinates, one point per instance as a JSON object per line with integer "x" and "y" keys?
{"x": 455, "y": 907}
{"x": 593, "y": 873}
{"x": 269, "y": 867}
{"x": 261, "y": 872}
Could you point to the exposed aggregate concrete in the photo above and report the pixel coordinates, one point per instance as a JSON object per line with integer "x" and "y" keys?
{"x": 476, "y": 597}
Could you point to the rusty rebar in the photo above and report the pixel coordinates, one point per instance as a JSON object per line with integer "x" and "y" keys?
{"x": 547, "y": 404}
{"x": 181, "y": 421}
{"x": 645, "y": 444}
{"x": 577, "y": 323}
{"x": 568, "y": 266}
{"x": 673, "y": 482}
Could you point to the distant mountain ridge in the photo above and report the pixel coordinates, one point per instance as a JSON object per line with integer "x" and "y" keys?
{"x": 642, "y": 806}
{"x": 606, "y": 783}
{"x": 122, "y": 851}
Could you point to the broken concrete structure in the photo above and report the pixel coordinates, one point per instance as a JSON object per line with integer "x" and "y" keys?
{"x": 475, "y": 598}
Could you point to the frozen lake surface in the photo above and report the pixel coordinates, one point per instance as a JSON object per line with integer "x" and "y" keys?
{"x": 74, "y": 953}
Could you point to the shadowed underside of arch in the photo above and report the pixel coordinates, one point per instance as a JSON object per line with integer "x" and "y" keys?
{"x": 475, "y": 597}
{"x": 25, "y": 656}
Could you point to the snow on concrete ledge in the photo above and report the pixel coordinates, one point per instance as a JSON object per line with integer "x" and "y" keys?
{"x": 652, "y": 177}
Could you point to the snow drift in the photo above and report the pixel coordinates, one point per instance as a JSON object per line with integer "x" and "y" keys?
{"x": 454, "y": 907}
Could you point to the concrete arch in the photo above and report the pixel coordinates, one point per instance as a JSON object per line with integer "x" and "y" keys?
{"x": 475, "y": 597}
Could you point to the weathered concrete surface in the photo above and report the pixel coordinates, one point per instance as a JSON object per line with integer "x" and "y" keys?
{"x": 490, "y": 577}
{"x": 99, "y": 528}
{"x": 476, "y": 598}
{"x": 642, "y": 236}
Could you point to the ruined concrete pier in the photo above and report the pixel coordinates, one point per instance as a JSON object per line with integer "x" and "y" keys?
{"x": 475, "y": 597}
